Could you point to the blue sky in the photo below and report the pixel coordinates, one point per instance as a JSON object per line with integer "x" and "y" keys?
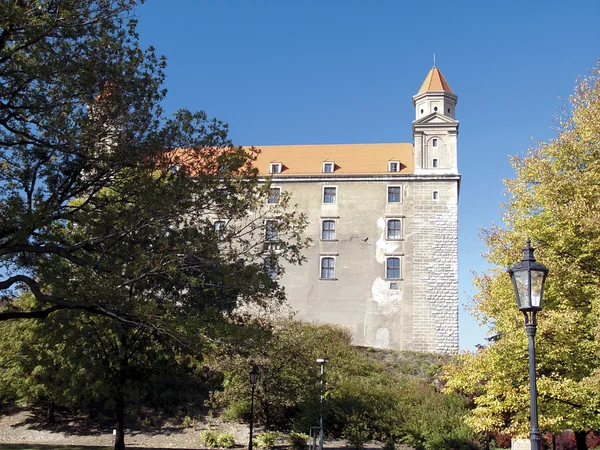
{"x": 302, "y": 72}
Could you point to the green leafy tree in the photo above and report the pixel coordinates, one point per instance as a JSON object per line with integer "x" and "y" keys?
{"x": 554, "y": 200}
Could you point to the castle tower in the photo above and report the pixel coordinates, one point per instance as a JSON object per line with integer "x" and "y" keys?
{"x": 435, "y": 216}
{"x": 435, "y": 130}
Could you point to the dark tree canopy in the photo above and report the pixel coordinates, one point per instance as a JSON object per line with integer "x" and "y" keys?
{"x": 98, "y": 212}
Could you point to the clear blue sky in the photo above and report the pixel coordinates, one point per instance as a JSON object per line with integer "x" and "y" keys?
{"x": 341, "y": 71}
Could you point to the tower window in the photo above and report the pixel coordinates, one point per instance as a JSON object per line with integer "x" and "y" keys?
{"x": 394, "y": 230}
{"x": 435, "y": 195}
{"x": 421, "y": 111}
{"x": 435, "y": 108}
{"x": 392, "y": 269}
{"x": 434, "y": 163}
{"x": 434, "y": 142}
{"x": 327, "y": 268}
{"x": 448, "y": 110}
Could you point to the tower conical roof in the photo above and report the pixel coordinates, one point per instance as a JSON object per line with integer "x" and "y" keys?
{"x": 435, "y": 81}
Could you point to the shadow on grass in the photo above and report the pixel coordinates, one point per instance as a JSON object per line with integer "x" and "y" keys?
{"x": 67, "y": 447}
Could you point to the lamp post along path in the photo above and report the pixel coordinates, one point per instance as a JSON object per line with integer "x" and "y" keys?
{"x": 322, "y": 362}
{"x": 528, "y": 279}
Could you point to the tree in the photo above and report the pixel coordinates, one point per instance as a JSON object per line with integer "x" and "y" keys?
{"x": 110, "y": 209}
{"x": 83, "y": 143}
{"x": 553, "y": 199}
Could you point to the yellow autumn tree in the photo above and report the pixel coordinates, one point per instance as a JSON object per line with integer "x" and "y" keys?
{"x": 554, "y": 199}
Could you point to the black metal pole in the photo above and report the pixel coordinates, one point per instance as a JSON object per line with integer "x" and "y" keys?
{"x": 251, "y": 418}
{"x": 534, "y": 435}
{"x": 321, "y": 406}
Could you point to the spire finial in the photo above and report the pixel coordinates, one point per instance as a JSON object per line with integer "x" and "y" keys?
{"x": 434, "y": 60}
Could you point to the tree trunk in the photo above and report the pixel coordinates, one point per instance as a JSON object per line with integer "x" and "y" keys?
{"x": 50, "y": 418}
{"x": 120, "y": 437}
{"x": 580, "y": 439}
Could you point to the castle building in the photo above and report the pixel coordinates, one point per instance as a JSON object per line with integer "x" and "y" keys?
{"x": 383, "y": 220}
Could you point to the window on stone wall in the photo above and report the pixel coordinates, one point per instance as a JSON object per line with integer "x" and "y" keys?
{"x": 394, "y": 194}
{"x": 328, "y": 230}
{"x": 327, "y": 267}
{"x": 394, "y": 229}
{"x": 329, "y": 194}
{"x": 392, "y": 271}
{"x": 435, "y": 195}
{"x": 274, "y": 194}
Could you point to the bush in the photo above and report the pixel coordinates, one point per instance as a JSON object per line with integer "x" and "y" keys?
{"x": 267, "y": 440}
{"x": 298, "y": 441}
{"x": 356, "y": 431}
{"x": 188, "y": 422}
{"x": 209, "y": 438}
{"x": 226, "y": 440}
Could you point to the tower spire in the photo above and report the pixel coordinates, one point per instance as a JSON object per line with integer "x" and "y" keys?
{"x": 434, "y": 60}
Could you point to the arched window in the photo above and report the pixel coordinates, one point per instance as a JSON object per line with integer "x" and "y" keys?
{"x": 327, "y": 267}
{"x": 394, "y": 230}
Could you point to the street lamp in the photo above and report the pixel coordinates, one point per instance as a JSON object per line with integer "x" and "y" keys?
{"x": 528, "y": 279}
{"x": 253, "y": 379}
{"x": 322, "y": 362}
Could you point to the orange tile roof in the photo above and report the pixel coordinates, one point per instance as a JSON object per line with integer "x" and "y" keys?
{"x": 435, "y": 81}
{"x": 348, "y": 158}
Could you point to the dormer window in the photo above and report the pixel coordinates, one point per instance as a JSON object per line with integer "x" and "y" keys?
{"x": 275, "y": 168}
{"x": 393, "y": 166}
{"x": 434, "y": 142}
{"x": 328, "y": 167}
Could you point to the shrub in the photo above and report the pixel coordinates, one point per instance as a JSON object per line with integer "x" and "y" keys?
{"x": 356, "y": 431}
{"x": 267, "y": 440}
{"x": 226, "y": 440}
{"x": 299, "y": 441}
{"x": 188, "y": 422}
{"x": 209, "y": 438}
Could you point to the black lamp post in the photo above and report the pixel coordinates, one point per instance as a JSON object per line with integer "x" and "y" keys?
{"x": 253, "y": 379}
{"x": 322, "y": 362}
{"x": 528, "y": 279}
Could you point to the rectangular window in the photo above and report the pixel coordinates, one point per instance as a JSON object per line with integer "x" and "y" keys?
{"x": 327, "y": 268}
{"x": 434, "y": 142}
{"x": 394, "y": 194}
{"x": 434, "y": 163}
{"x": 329, "y": 195}
{"x": 328, "y": 230}
{"x": 270, "y": 266}
{"x": 271, "y": 230}
{"x": 219, "y": 225}
{"x": 393, "y": 268}
{"x": 275, "y": 168}
{"x": 274, "y": 194}
{"x": 328, "y": 167}
{"x": 394, "y": 229}
{"x": 393, "y": 166}
{"x": 435, "y": 195}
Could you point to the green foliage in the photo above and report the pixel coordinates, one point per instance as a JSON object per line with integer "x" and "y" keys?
{"x": 209, "y": 438}
{"x": 187, "y": 422}
{"x": 298, "y": 441}
{"x": 267, "y": 440}
{"x": 554, "y": 199}
{"x": 356, "y": 431}
{"x": 365, "y": 397}
{"x": 226, "y": 440}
